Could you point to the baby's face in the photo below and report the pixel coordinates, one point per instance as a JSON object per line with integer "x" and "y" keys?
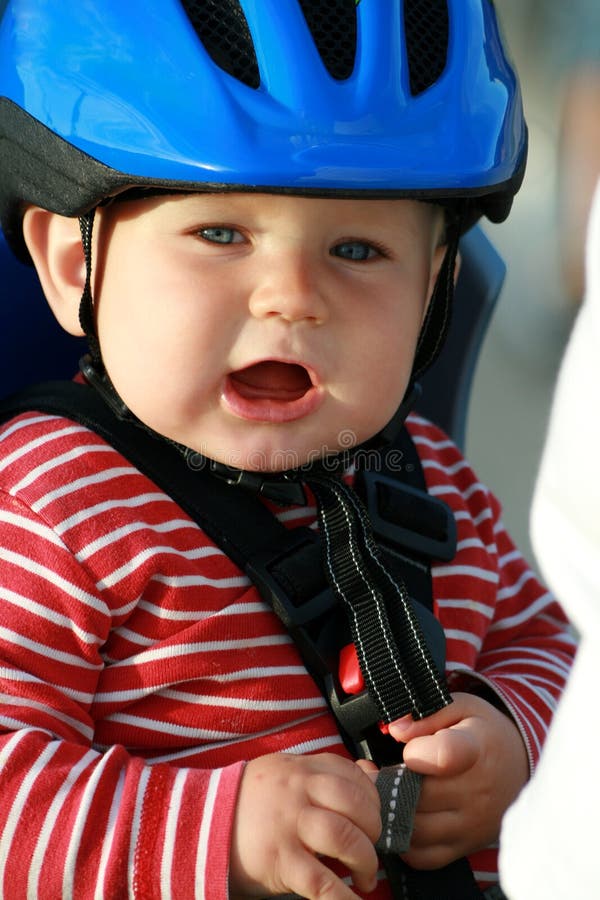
{"x": 263, "y": 330}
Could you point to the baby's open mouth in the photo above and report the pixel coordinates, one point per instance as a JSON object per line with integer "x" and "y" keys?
{"x": 272, "y": 391}
{"x": 272, "y": 380}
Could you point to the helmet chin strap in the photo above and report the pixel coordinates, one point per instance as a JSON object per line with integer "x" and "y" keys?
{"x": 437, "y": 320}
{"x": 86, "y": 304}
{"x": 282, "y": 487}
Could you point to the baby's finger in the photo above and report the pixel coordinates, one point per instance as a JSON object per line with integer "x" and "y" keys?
{"x": 329, "y": 834}
{"x": 435, "y": 829}
{"x": 431, "y": 856}
{"x": 355, "y": 800}
{"x": 312, "y": 880}
{"x": 369, "y": 767}
{"x": 437, "y": 839}
{"x": 450, "y": 751}
{"x": 407, "y": 728}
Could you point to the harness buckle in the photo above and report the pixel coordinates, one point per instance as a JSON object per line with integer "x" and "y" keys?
{"x": 356, "y": 713}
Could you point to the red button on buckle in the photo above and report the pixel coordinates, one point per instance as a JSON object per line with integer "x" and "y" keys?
{"x": 351, "y": 678}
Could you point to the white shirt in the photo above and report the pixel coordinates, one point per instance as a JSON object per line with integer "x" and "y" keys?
{"x": 550, "y": 843}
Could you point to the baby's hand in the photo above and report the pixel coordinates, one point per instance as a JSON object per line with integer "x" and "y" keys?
{"x": 475, "y": 764}
{"x": 293, "y": 809}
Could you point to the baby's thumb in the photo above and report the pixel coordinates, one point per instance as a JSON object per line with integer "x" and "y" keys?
{"x": 450, "y": 751}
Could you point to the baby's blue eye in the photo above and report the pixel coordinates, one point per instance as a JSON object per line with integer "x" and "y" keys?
{"x": 219, "y": 234}
{"x": 354, "y": 250}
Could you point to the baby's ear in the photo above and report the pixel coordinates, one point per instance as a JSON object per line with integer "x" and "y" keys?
{"x": 438, "y": 258}
{"x": 54, "y": 243}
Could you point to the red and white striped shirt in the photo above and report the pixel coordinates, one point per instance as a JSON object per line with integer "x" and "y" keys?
{"x": 139, "y": 667}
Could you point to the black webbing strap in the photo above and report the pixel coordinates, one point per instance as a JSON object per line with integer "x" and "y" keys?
{"x": 397, "y": 665}
{"x": 248, "y": 533}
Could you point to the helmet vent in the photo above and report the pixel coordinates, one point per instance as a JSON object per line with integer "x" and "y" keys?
{"x": 222, "y": 27}
{"x": 332, "y": 24}
{"x": 426, "y": 26}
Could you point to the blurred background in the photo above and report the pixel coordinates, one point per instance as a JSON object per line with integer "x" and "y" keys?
{"x": 556, "y": 48}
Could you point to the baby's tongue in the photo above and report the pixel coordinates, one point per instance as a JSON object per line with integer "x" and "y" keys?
{"x": 276, "y": 380}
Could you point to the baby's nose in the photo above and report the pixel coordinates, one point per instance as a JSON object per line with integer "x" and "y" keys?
{"x": 290, "y": 289}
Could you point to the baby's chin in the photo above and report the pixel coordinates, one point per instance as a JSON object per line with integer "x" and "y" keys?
{"x": 276, "y": 461}
{"x": 274, "y": 449}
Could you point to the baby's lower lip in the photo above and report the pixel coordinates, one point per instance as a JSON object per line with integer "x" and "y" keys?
{"x": 249, "y": 399}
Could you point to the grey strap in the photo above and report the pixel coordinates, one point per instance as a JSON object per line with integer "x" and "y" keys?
{"x": 399, "y": 789}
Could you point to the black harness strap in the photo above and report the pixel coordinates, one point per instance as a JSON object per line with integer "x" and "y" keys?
{"x": 285, "y": 565}
{"x": 399, "y": 670}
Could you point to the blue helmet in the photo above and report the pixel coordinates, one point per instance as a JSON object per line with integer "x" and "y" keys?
{"x": 327, "y": 97}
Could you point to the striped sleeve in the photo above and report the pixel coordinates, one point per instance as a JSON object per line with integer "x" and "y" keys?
{"x": 139, "y": 671}
{"x": 528, "y": 649}
{"x": 505, "y": 631}
{"x": 76, "y": 821}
